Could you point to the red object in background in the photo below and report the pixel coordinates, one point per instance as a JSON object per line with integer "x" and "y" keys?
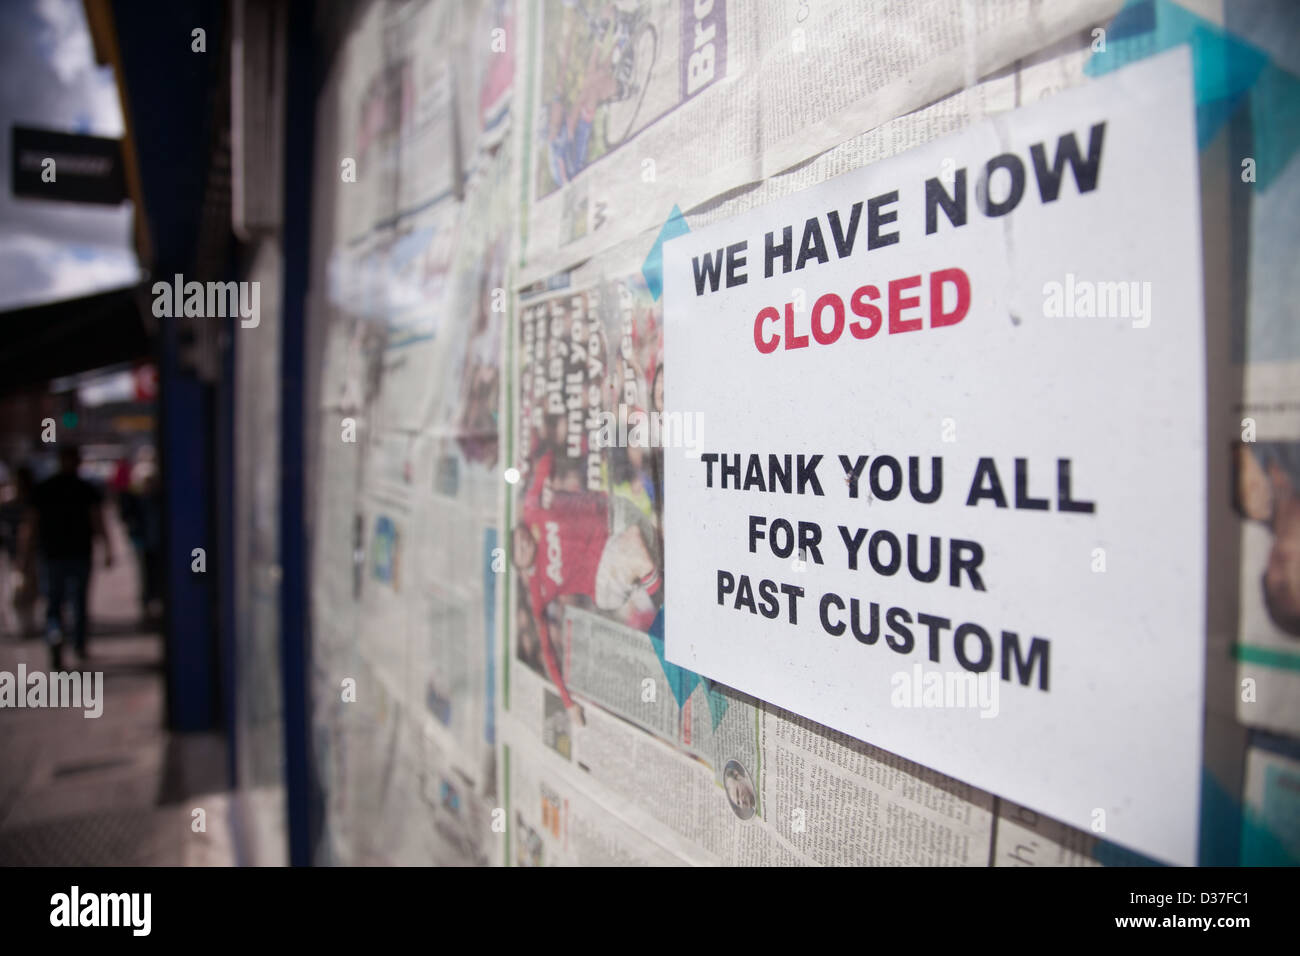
{"x": 122, "y": 475}
{"x": 146, "y": 382}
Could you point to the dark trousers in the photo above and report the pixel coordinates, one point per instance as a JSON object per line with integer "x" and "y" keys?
{"x": 67, "y": 580}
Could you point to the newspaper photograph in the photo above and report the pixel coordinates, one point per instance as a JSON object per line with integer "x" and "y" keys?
{"x": 553, "y": 824}
{"x": 1271, "y": 814}
{"x": 588, "y": 497}
{"x": 637, "y": 107}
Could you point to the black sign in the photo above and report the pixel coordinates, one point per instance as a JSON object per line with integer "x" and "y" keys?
{"x": 68, "y": 166}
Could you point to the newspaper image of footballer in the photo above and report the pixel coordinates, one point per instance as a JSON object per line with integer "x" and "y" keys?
{"x": 601, "y": 75}
{"x": 609, "y": 70}
{"x": 586, "y": 532}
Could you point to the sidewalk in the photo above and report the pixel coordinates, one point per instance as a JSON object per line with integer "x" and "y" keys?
{"x": 116, "y": 790}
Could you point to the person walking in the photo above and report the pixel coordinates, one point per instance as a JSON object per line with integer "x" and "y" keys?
{"x": 66, "y": 517}
{"x": 20, "y": 588}
{"x": 11, "y": 512}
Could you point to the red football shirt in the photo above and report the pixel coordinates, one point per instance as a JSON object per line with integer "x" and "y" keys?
{"x": 570, "y": 530}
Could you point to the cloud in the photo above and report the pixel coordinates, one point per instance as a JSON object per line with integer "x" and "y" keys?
{"x": 35, "y": 269}
{"x": 64, "y": 39}
{"x": 49, "y": 72}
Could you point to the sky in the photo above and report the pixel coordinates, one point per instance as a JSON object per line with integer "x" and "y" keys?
{"x": 48, "y": 79}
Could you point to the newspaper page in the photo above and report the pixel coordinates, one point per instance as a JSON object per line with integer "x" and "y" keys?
{"x": 462, "y": 548}
{"x": 554, "y": 824}
{"x": 1271, "y": 798}
{"x": 670, "y": 796}
{"x": 485, "y": 57}
{"x": 843, "y": 802}
{"x": 395, "y": 112}
{"x": 587, "y": 528}
{"x": 407, "y": 554}
{"x": 804, "y": 798}
{"x": 393, "y": 800}
{"x": 1264, "y": 425}
{"x": 635, "y": 107}
{"x": 1026, "y": 838}
{"x": 398, "y": 278}
{"x": 586, "y": 672}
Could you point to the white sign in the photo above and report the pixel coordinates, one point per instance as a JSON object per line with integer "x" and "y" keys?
{"x": 952, "y": 495}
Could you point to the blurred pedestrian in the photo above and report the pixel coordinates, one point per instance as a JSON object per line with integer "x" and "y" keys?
{"x": 145, "y": 529}
{"x": 66, "y": 517}
{"x": 18, "y": 577}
